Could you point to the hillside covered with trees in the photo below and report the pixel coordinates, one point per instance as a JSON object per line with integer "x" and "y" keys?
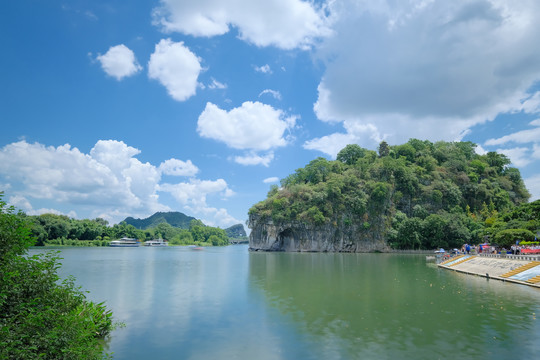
{"x": 52, "y": 229}
{"x": 418, "y": 195}
{"x": 173, "y": 218}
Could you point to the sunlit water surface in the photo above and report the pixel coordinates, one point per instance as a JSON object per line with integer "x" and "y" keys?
{"x": 228, "y": 303}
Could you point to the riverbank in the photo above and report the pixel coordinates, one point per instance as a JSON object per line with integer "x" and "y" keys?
{"x": 525, "y": 270}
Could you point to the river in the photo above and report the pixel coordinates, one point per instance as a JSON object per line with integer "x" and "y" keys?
{"x": 228, "y": 303}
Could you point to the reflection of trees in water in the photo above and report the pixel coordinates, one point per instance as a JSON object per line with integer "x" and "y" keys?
{"x": 391, "y": 303}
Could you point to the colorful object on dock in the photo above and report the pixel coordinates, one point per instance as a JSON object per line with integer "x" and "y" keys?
{"x": 521, "y": 269}
{"x": 525, "y": 272}
{"x": 459, "y": 261}
{"x": 446, "y": 262}
{"x": 529, "y": 251}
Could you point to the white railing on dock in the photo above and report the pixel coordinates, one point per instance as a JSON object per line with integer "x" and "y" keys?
{"x": 513, "y": 257}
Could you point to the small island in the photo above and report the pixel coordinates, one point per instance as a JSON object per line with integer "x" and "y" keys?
{"x": 418, "y": 195}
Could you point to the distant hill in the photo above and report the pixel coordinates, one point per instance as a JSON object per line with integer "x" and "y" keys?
{"x": 179, "y": 220}
{"x": 236, "y": 231}
{"x": 173, "y": 218}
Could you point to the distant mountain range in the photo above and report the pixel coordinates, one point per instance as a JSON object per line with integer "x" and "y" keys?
{"x": 179, "y": 220}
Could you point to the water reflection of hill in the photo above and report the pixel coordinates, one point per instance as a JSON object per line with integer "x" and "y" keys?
{"x": 380, "y": 305}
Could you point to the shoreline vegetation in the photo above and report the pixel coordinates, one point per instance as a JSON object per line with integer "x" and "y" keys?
{"x": 42, "y": 316}
{"x": 100, "y": 243}
{"x": 60, "y": 230}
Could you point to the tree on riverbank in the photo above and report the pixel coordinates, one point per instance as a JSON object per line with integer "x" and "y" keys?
{"x": 41, "y": 316}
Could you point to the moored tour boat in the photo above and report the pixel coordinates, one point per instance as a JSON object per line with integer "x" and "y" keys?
{"x": 156, "y": 242}
{"x": 125, "y": 242}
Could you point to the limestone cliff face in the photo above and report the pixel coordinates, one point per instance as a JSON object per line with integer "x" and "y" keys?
{"x": 298, "y": 236}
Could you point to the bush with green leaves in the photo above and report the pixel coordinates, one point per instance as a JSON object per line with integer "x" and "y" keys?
{"x": 510, "y": 237}
{"x": 42, "y": 316}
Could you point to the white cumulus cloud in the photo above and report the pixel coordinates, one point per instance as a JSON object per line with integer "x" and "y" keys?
{"x": 533, "y": 185}
{"x": 519, "y": 156}
{"x": 520, "y": 137}
{"x": 178, "y": 168}
{"x": 176, "y": 68}
{"x": 536, "y": 151}
{"x": 255, "y": 159}
{"x": 20, "y": 202}
{"x": 193, "y": 196}
{"x": 331, "y": 144}
{"x": 23, "y": 204}
{"x": 529, "y": 151}
{"x": 265, "y": 69}
{"x": 216, "y": 85}
{"x": 108, "y": 182}
{"x": 271, "y": 180}
{"x": 357, "y": 133}
{"x": 66, "y": 175}
{"x": 252, "y": 126}
{"x": 286, "y": 24}
{"x": 119, "y": 62}
{"x": 427, "y": 69}
{"x": 276, "y": 94}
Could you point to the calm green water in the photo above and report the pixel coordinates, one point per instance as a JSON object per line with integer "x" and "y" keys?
{"x": 227, "y": 303}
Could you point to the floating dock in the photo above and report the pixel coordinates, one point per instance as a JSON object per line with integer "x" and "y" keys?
{"x": 525, "y": 271}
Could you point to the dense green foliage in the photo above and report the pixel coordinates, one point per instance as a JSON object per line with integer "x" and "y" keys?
{"x": 41, "y": 316}
{"x": 520, "y": 224}
{"x": 52, "y": 229}
{"x": 173, "y": 218}
{"x": 201, "y": 234}
{"x": 427, "y": 194}
{"x": 62, "y": 230}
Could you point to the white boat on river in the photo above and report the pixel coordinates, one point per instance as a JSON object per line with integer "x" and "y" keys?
{"x": 125, "y": 242}
{"x": 156, "y": 242}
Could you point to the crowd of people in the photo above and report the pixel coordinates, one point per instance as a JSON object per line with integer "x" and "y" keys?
{"x": 526, "y": 249}
{"x": 478, "y": 249}
{"x": 489, "y": 249}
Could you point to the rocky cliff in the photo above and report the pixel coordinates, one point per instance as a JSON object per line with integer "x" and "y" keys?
{"x": 299, "y": 236}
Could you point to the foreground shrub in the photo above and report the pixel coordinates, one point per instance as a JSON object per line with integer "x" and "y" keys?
{"x": 41, "y": 316}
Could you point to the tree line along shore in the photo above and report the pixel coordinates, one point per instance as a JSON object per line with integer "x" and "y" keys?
{"x": 60, "y": 230}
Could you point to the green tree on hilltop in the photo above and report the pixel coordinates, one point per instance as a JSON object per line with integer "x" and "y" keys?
{"x": 384, "y": 149}
{"x": 350, "y": 154}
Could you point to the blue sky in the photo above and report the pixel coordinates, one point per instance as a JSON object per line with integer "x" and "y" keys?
{"x": 114, "y": 108}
